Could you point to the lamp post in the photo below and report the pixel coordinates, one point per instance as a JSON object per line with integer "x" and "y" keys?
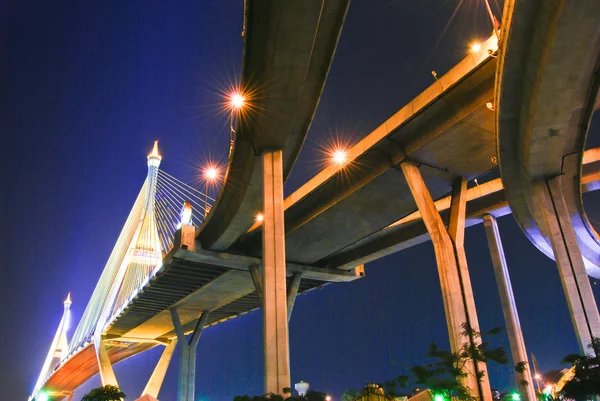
{"x": 237, "y": 102}
{"x": 211, "y": 173}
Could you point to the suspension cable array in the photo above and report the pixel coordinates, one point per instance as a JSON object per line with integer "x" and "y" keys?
{"x": 163, "y": 204}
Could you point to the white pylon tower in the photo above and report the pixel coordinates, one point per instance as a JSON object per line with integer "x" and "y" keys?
{"x": 143, "y": 253}
{"x": 58, "y": 348}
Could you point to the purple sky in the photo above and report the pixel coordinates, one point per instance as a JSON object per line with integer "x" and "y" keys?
{"x": 87, "y": 86}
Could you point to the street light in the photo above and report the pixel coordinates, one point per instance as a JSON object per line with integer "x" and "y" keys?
{"x": 537, "y": 378}
{"x": 237, "y": 101}
{"x": 338, "y": 155}
{"x": 211, "y": 174}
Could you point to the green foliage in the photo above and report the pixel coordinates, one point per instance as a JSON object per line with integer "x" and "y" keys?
{"x": 585, "y": 385}
{"x": 106, "y": 393}
{"x": 349, "y": 395}
{"x": 445, "y": 373}
{"x": 521, "y": 367}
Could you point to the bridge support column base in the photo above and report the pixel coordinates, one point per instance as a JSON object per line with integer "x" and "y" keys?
{"x": 186, "y": 386}
{"x": 574, "y": 278}
{"x": 275, "y": 313}
{"x": 158, "y": 375}
{"x": 107, "y": 374}
{"x": 455, "y": 281}
{"x": 146, "y": 397}
{"x": 509, "y": 308}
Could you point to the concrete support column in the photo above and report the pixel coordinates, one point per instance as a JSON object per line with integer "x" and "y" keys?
{"x": 574, "y": 278}
{"x": 509, "y": 308}
{"x": 275, "y": 315}
{"x": 158, "y": 375}
{"x": 454, "y": 276}
{"x": 186, "y": 386}
{"x": 107, "y": 374}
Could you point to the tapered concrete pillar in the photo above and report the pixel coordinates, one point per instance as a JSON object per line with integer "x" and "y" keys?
{"x": 292, "y": 292}
{"x": 107, "y": 374}
{"x": 158, "y": 375}
{"x": 454, "y": 276}
{"x": 509, "y": 308}
{"x": 275, "y": 316}
{"x": 574, "y": 278}
{"x": 186, "y": 386}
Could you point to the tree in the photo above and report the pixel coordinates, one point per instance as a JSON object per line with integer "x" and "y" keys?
{"x": 585, "y": 385}
{"x": 350, "y": 395}
{"x": 443, "y": 376}
{"x": 106, "y": 393}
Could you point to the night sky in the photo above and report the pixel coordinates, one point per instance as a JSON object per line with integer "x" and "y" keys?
{"x": 87, "y": 86}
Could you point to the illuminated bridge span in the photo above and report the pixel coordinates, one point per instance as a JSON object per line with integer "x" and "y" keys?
{"x": 163, "y": 205}
{"x": 172, "y": 274}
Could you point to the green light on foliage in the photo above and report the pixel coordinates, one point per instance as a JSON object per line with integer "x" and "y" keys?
{"x": 515, "y": 397}
{"x": 439, "y": 397}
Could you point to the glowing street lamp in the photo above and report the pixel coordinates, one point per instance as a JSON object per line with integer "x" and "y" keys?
{"x": 475, "y": 47}
{"x": 538, "y": 378}
{"x": 339, "y": 157}
{"x": 237, "y": 101}
{"x": 211, "y": 174}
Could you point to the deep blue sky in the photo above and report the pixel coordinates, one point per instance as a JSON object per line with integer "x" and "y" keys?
{"x": 87, "y": 86}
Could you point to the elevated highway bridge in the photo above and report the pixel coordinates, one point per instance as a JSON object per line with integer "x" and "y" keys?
{"x": 409, "y": 181}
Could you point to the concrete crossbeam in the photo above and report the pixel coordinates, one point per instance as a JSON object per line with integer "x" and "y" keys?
{"x": 452, "y": 269}
{"x": 244, "y": 263}
{"x": 509, "y": 308}
{"x": 275, "y": 315}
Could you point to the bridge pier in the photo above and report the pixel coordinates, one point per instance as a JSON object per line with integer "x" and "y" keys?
{"x": 107, "y": 374}
{"x": 158, "y": 375}
{"x": 275, "y": 313}
{"x": 186, "y": 386}
{"x": 455, "y": 281}
{"x": 574, "y": 278}
{"x": 525, "y": 382}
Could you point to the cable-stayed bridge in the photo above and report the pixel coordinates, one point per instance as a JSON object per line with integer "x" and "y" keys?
{"x": 171, "y": 273}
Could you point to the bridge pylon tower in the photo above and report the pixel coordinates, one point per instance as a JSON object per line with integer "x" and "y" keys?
{"x": 58, "y": 348}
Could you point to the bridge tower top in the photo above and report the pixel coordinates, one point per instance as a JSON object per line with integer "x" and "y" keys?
{"x": 154, "y": 157}
{"x": 67, "y": 302}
